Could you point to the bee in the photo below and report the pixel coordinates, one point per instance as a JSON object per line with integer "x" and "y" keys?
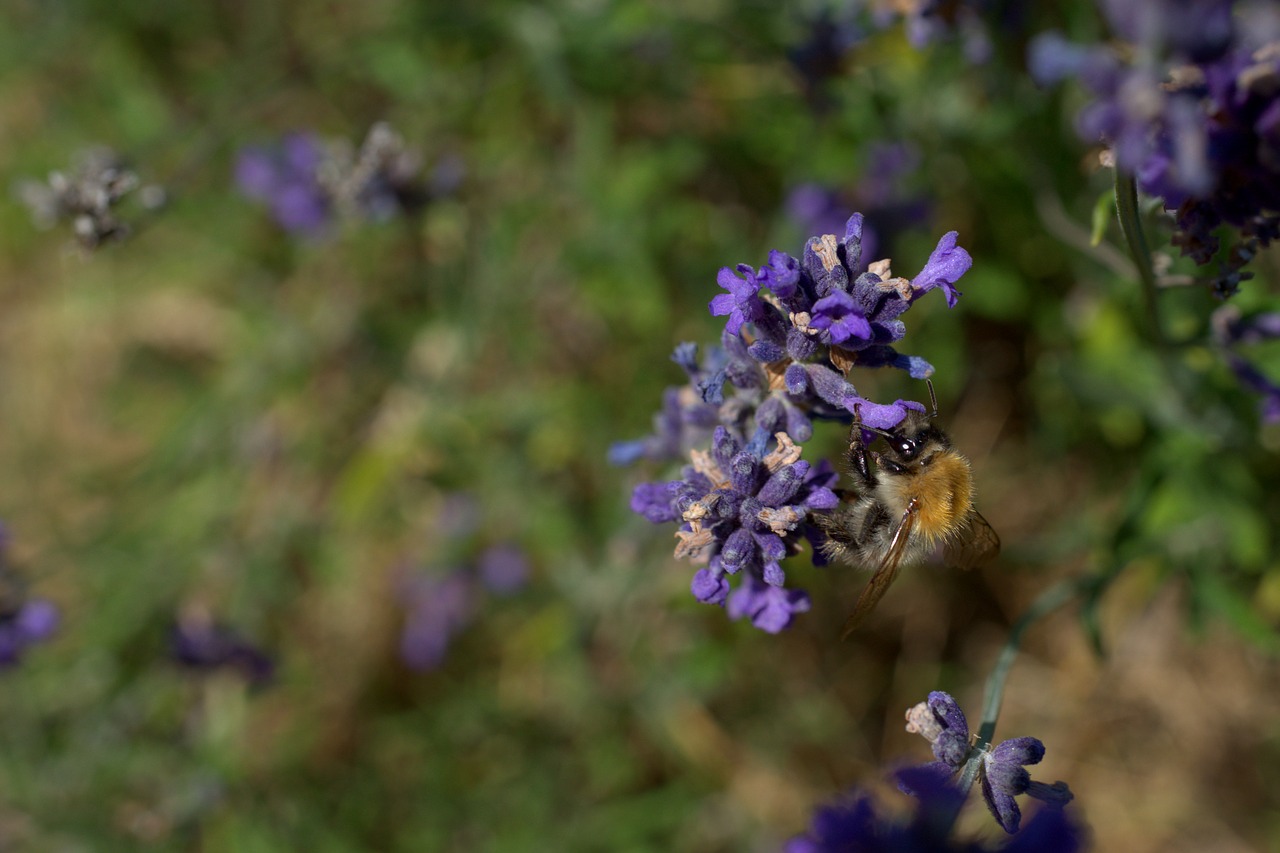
{"x": 920, "y": 495}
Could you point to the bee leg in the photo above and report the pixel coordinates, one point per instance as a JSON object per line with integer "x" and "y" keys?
{"x": 839, "y": 525}
{"x": 857, "y": 456}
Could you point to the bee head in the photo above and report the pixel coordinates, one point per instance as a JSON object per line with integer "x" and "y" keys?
{"x": 915, "y": 440}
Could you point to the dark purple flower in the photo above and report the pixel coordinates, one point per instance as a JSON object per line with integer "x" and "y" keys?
{"x": 33, "y": 622}
{"x": 200, "y": 644}
{"x": 853, "y": 826}
{"x": 1231, "y": 330}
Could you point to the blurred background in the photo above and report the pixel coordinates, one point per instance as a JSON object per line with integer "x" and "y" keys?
{"x": 317, "y": 486}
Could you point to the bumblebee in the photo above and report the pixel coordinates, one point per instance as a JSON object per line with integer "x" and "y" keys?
{"x": 919, "y": 496}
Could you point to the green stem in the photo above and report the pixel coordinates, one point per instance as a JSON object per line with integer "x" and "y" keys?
{"x": 1131, "y": 226}
{"x": 1049, "y": 600}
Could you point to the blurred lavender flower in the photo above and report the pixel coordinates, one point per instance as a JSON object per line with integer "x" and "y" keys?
{"x": 441, "y": 601}
{"x": 35, "y": 620}
{"x": 88, "y": 197}
{"x": 1231, "y": 330}
{"x": 795, "y": 330}
{"x": 852, "y": 826}
{"x": 1002, "y": 774}
{"x": 199, "y": 643}
{"x": 24, "y": 621}
{"x": 881, "y": 193}
{"x": 284, "y": 177}
{"x": 503, "y": 569}
{"x": 1191, "y": 108}
{"x": 381, "y": 179}
{"x": 307, "y": 182}
{"x": 437, "y": 608}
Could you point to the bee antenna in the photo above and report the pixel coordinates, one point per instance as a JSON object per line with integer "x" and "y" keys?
{"x": 933, "y": 398}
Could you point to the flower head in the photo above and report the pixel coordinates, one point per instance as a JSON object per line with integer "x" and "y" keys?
{"x": 88, "y": 197}
{"x": 1002, "y": 772}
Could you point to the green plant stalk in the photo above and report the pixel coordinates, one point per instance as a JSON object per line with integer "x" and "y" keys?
{"x": 1131, "y": 227}
{"x": 1051, "y": 599}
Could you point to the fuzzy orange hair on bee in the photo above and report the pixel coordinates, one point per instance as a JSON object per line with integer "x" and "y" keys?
{"x": 919, "y": 496}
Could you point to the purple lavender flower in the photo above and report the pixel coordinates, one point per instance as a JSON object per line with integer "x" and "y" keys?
{"x": 198, "y": 643}
{"x": 1191, "y": 111}
{"x": 285, "y": 177}
{"x": 24, "y": 621}
{"x": 688, "y": 413}
{"x": 35, "y": 620}
{"x": 795, "y": 330}
{"x": 437, "y": 609}
{"x": 1232, "y": 330}
{"x": 307, "y": 181}
{"x": 503, "y": 569}
{"x": 852, "y": 826}
{"x": 1002, "y": 773}
{"x": 742, "y": 512}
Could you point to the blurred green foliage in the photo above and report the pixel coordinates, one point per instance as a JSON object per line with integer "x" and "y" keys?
{"x": 214, "y": 415}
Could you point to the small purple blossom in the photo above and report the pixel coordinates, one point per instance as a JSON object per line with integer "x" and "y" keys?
{"x": 853, "y": 826}
{"x": 503, "y": 568}
{"x": 285, "y": 177}
{"x": 742, "y": 512}
{"x": 840, "y": 317}
{"x": 437, "y": 608}
{"x": 198, "y": 643}
{"x": 742, "y": 302}
{"x": 1232, "y": 330}
{"x": 33, "y": 622}
{"x": 1002, "y": 773}
{"x": 945, "y": 267}
{"x": 307, "y": 182}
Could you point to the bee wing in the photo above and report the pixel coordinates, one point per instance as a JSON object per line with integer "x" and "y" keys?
{"x": 975, "y": 545}
{"x": 886, "y": 573}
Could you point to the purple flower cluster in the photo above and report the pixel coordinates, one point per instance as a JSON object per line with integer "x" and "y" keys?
{"x": 794, "y": 330}
{"x": 852, "y": 826}
{"x": 284, "y": 177}
{"x": 307, "y": 182}
{"x": 1231, "y": 330}
{"x": 1191, "y": 108}
{"x": 198, "y": 643}
{"x": 440, "y": 605}
{"x": 1002, "y": 773}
